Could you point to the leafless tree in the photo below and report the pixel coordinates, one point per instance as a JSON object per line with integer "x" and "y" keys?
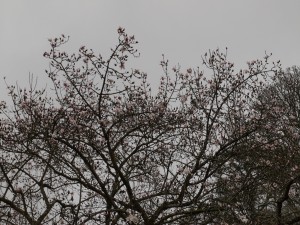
{"x": 265, "y": 175}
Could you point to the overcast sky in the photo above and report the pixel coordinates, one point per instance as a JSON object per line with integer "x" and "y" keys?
{"x": 182, "y": 30}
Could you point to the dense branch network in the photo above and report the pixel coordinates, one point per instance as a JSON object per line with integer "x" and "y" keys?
{"x": 103, "y": 149}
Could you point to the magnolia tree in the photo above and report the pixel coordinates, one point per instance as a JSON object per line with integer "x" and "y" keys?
{"x": 101, "y": 148}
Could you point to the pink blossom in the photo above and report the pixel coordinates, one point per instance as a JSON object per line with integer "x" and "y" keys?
{"x": 132, "y": 218}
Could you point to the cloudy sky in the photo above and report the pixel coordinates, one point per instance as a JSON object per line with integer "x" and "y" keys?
{"x": 181, "y": 29}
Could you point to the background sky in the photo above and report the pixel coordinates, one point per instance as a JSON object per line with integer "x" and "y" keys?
{"x": 181, "y": 29}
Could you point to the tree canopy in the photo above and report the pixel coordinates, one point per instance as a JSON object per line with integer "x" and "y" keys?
{"x": 211, "y": 146}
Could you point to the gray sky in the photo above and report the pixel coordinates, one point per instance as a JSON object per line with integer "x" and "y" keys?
{"x": 182, "y": 30}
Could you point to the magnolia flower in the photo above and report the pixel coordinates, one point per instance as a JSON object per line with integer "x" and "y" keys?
{"x": 23, "y": 104}
{"x": 118, "y": 110}
{"x": 72, "y": 120}
{"x": 46, "y": 54}
{"x": 186, "y": 170}
{"x": 129, "y": 105}
{"x": 121, "y": 30}
{"x": 161, "y": 106}
{"x": 2, "y": 103}
{"x": 294, "y": 168}
{"x": 243, "y": 218}
{"x": 132, "y": 218}
{"x": 106, "y": 122}
{"x": 224, "y": 176}
{"x": 183, "y": 98}
{"x": 296, "y": 135}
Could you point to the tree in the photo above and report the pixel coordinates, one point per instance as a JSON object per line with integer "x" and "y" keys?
{"x": 268, "y": 168}
{"x": 103, "y": 149}
{"x": 283, "y": 142}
